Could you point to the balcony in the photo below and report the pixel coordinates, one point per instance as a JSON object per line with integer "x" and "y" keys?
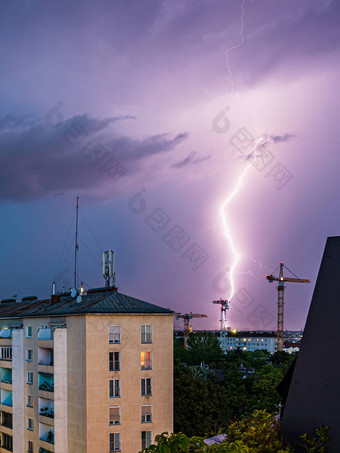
{"x": 6, "y": 397}
{"x": 6, "y": 375}
{"x": 46, "y": 382}
{"x": 45, "y": 337}
{"x": 46, "y": 433}
{"x": 45, "y": 359}
{"x": 46, "y": 411}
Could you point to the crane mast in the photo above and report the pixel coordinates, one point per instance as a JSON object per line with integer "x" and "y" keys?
{"x": 186, "y": 318}
{"x": 280, "y": 300}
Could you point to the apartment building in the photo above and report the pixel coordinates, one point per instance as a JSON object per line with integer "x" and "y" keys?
{"x": 89, "y": 374}
{"x": 249, "y": 341}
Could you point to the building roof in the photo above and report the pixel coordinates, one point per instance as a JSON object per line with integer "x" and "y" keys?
{"x": 251, "y": 334}
{"x": 100, "y": 301}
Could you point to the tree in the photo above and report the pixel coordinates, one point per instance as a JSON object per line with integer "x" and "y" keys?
{"x": 201, "y": 407}
{"x": 204, "y": 347}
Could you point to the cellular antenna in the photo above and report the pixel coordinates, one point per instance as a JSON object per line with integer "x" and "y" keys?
{"x": 76, "y": 247}
{"x": 109, "y": 268}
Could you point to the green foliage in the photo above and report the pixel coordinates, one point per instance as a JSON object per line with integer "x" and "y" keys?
{"x": 316, "y": 444}
{"x": 201, "y": 406}
{"x": 258, "y": 433}
{"x": 203, "y": 347}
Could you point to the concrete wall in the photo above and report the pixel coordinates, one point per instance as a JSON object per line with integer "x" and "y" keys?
{"x": 60, "y": 391}
{"x": 18, "y": 394}
{"x": 98, "y": 375}
{"x": 76, "y": 384}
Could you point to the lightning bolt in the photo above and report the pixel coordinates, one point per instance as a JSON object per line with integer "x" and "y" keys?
{"x": 230, "y": 197}
{"x": 230, "y": 49}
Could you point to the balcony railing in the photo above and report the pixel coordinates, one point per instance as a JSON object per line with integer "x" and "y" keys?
{"x": 46, "y": 387}
{"x": 46, "y": 412}
{"x": 46, "y": 362}
{"x": 6, "y": 381}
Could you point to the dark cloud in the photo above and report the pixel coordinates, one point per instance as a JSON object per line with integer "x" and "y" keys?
{"x": 75, "y": 154}
{"x": 190, "y": 160}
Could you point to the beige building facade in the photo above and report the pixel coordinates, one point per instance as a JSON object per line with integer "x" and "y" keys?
{"x": 93, "y": 376}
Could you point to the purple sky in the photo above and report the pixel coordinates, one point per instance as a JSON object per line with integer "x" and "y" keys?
{"x": 103, "y": 99}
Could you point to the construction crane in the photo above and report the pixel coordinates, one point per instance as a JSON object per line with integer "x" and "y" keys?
{"x": 186, "y": 317}
{"x": 280, "y": 303}
{"x": 224, "y": 307}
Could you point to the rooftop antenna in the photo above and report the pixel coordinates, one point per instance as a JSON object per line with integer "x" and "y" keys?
{"x": 76, "y": 247}
{"x": 109, "y": 268}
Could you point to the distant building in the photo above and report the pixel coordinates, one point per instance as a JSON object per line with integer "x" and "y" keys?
{"x": 93, "y": 374}
{"x": 291, "y": 347}
{"x": 249, "y": 341}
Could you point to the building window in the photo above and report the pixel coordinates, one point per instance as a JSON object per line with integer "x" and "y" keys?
{"x": 114, "y": 415}
{"x": 114, "y": 442}
{"x": 114, "y": 361}
{"x": 29, "y": 379}
{"x": 30, "y": 448}
{"x": 146, "y": 410}
{"x": 114, "y": 334}
{"x": 30, "y": 401}
{"x": 146, "y": 360}
{"x": 29, "y": 355}
{"x": 6, "y": 353}
{"x": 146, "y": 384}
{"x": 146, "y": 334}
{"x": 7, "y": 442}
{"x": 146, "y": 439}
{"x": 30, "y": 424}
{"x": 114, "y": 388}
{"x": 7, "y": 420}
{"x": 29, "y": 332}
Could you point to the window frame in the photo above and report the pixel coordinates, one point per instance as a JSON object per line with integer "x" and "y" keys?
{"x": 114, "y": 333}
{"x": 29, "y": 328}
{"x": 111, "y": 423}
{"x": 29, "y": 350}
{"x": 146, "y": 337}
{"x": 27, "y": 400}
{"x": 146, "y": 415}
{"x": 114, "y": 388}
{"x": 30, "y": 421}
{"x": 147, "y": 361}
{"x": 145, "y": 380}
{"x": 30, "y": 446}
{"x": 146, "y": 442}
{"x": 114, "y": 361}
{"x": 27, "y": 380}
{"x": 113, "y": 441}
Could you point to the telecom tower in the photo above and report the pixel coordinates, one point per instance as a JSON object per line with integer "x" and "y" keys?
{"x": 109, "y": 268}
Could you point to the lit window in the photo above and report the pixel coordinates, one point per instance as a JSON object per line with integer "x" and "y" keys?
{"x": 29, "y": 332}
{"x": 146, "y": 413}
{"x": 146, "y": 384}
{"x": 114, "y": 388}
{"x": 114, "y": 361}
{"x": 30, "y": 424}
{"x": 114, "y": 442}
{"x": 29, "y": 355}
{"x": 29, "y": 376}
{"x": 29, "y": 400}
{"x": 114, "y": 415}
{"x": 114, "y": 334}
{"x": 146, "y": 334}
{"x": 146, "y": 360}
{"x": 146, "y": 439}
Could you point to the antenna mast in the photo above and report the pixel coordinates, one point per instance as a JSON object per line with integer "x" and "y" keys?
{"x": 76, "y": 247}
